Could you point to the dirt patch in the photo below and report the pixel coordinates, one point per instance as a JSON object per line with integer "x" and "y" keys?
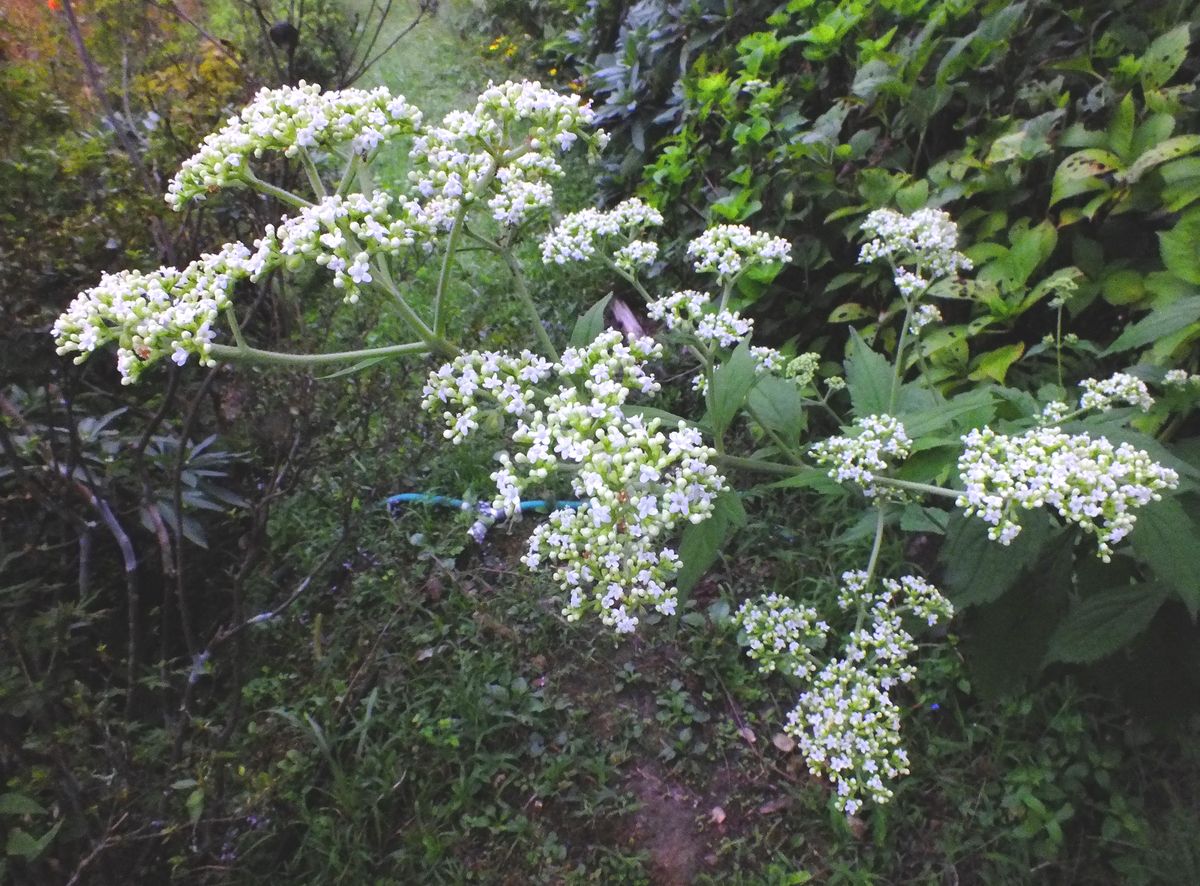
{"x": 668, "y": 826}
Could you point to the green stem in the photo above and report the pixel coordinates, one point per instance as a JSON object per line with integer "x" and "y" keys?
{"x": 775, "y": 438}
{"x": 526, "y": 299}
{"x": 762, "y": 467}
{"x": 876, "y": 545}
{"x": 452, "y": 241}
{"x": 912, "y": 486}
{"x": 348, "y": 176}
{"x": 434, "y": 341}
{"x": 314, "y": 174}
{"x": 898, "y": 372}
{"x": 246, "y": 354}
{"x": 272, "y": 191}
{"x": 236, "y": 328}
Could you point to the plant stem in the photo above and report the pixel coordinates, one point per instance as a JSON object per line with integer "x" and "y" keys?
{"x": 235, "y": 327}
{"x": 872, "y": 562}
{"x": 526, "y": 299}
{"x": 775, "y": 438}
{"x": 763, "y": 467}
{"x": 349, "y": 176}
{"x": 434, "y": 341}
{"x": 912, "y": 486}
{"x": 272, "y": 191}
{"x": 898, "y": 372}
{"x": 452, "y": 241}
{"x": 246, "y": 354}
{"x": 314, "y": 174}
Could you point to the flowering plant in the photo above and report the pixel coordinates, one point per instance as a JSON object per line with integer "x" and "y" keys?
{"x": 646, "y": 481}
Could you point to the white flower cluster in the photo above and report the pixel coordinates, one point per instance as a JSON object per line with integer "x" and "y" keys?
{"x": 922, "y": 317}
{"x": 858, "y": 458}
{"x": 1121, "y": 387}
{"x": 927, "y": 239}
{"x": 637, "y": 483}
{"x": 847, "y": 724}
{"x": 576, "y": 237}
{"x": 727, "y": 250}
{"x": 1179, "y": 378}
{"x": 507, "y": 379}
{"x": 287, "y": 120}
{"x": 343, "y": 234}
{"x": 512, "y": 133}
{"x": 1087, "y": 480}
{"x": 690, "y": 312}
{"x": 165, "y": 312}
{"x": 781, "y": 635}
{"x": 637, "y": 254}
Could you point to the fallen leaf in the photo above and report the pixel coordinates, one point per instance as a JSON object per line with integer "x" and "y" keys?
{"x": 773, "y": 806}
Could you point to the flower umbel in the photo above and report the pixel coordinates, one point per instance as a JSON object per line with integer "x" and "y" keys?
{"x": 1087, "y": 480}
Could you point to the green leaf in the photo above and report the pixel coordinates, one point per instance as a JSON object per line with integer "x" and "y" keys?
{"x": 1167, "y": 540}
{"x": 1164, "y": 56}
{"x": 1078, "y": 173}
{"x": 779, "y": 405}
{"x": 350, "y": 370}
{"x": 1157, "y": 324}
{"x": 590, "y": 324}
{"x": 995, "y": 364}
{"x": 22, "y": 844}
{"x": 1180, "y": 248}
{"x": 809, "y": 478}
{"x": 1120, "y": 128}
{"x": 1104, "y": 622}
{"x": 979, "y": 570}
{"x": 1171, "y": 149}
{"x": 849, "y": 312}
{"x": 916, "y": 518}
{"x": 868, "y": 378}
{"x": 731, "y": 382}
{"x": 1006, "y": 640}
{"x": 19, "y": 804}
{"x": 701, "y": 542}
{"x": 195, "y": 805}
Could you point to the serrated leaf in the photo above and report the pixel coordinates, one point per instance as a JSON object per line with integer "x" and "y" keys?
{"x": 731, "y": 382}
{"x": 1163, "y": 57}
{"x": 1104, "y": 622}
{"x": 591, "y": 324}
{"x": 979, "y": 570}
{"x": 868, "y": 378}
{"x": 1157, "y": 324}
{"x": 779, "y": 405}
{"x": 1166, "y": 539}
